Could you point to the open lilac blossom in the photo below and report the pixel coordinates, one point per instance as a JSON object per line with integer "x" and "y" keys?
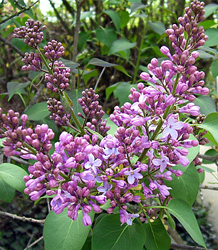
{"x": 162, "y": 162}
{"x": 126, "y": 217}
{"x": 106, "y": 187}
{"x": 133, "y": 175}
{"x": 93, "y": 164}
{"x": 172, "y": 126}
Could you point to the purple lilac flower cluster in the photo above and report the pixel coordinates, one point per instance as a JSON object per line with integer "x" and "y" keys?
{"x": 58, "y": 113}
{"x": 56, "y": 74}
{"x": 93, "y": 112}
{"x": 86, "y": 171}
{"x": 22, "y": 141}
{"x": 58, "y": 81}
{"x": 31, "y": 33}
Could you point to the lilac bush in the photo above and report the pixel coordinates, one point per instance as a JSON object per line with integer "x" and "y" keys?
{"x": 91, "y": 167}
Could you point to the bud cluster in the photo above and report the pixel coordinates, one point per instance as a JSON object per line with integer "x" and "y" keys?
{"x": 54, "y": 50}
{"x": 32, "y": 61}
{"x": 59, "y": 79}
{"x": 31, "y": 33}
{"x": 93, "y": 112}
{"x": 58, "y": 114}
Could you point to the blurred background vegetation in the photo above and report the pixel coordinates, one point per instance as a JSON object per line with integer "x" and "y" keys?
{"x": 108, "y": 43}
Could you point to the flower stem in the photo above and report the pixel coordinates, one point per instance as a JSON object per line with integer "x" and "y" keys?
{"x": 161, "y": 121}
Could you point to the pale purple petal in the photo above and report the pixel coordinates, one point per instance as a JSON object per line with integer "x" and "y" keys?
{"x": 178, "y": 125}
{"x": 173, "y": 133}
{"x": 131, "y": 179}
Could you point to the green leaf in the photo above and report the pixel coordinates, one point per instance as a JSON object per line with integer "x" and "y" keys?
{"x": 209, "y": 170}
{"x": 13, "y": 176}
{"x": 115, "y": 18}
{"x": 210, "y": 152}
{"x": 62, "y": 233}
{"x": 37, "y": 112}
{"x": 186, "y": 217}
{"x": 6, "y": 191}
{"x": 204, "y": 55}
{"x": 106, "y": 36}
{"x": 214, "y": 68}
{"x": 212, "y": 33}
{"x": 101, "y": 63}
{"x": 83, "y": 37}
{"x": 210, "y": 50}
{"x": 70, "y": 64}
{"x": 170, "y": 220}
{"x": 137, "y": 6}
{"x": 121, "y": 69}
{"x": 210, "y": 137}
{"x": 211, "y": 124}
{"x": 88, "y": 74}
{"x": 186, "y": 186}
{"x": 108, "y": 234}
{"x": 16, "y": 88}
{"x": 207, "y": 24}
{"x": 201, "y": 176}
{"x": 120, "y": 45}
{"x": 156, "y": 236}
{"x": 110, "y": 89}
{"x": 157, "y": 27}
{"x": 206, "y": 103}
{"x": 122, "y": 92}
{"x": 210, "y": 8}
{"x": 113, "y": 126}
{"x": 124, "y": 18}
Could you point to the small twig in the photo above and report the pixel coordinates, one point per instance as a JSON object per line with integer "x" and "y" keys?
{"x": 178, "y": 246}
{"x": 35, "y": 242}
{"x": 18, "y": 13}
{"x": 29, "y": 241}
{"x": 60, "y": 18}
{"x": 98, "y": 80}
{"x": 208, "y": 157}
{"x": 18, "y": 4}
{"x": 48, "y": 204}
{"x": 209, "y": 187}
{"x": 19, "y": 160}
{"x": 12, "y": 46}
{"x": 68, "y": 7}
{"x": 23, "y": 218}
{"x": 176, "y": 237}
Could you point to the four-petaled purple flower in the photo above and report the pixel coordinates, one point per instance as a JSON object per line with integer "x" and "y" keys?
{"x": 162, "y": 162}
{"x": 125, "y": 217}
{"x": 106, "y": 187}
{"x": 133, "y": 175}
{"x": 93, "y": 164}
{"x": 172, "y": 126}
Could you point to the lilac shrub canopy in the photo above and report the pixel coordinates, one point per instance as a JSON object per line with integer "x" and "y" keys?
{"x": 92, "y": 167}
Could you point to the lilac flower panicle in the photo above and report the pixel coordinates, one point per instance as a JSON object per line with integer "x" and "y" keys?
{"x": 59, "y": 80}
{"x": 31, "y": 33}
{"x": 87, "y": 169}
{"x": 54, "y": 50}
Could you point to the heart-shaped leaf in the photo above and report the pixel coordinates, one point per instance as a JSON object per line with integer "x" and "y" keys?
{"x": 62, "y": 233}
{"x": 13, "y": 176}
{"x": 109, "y": 234}
{"x": 156, "y": 236}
